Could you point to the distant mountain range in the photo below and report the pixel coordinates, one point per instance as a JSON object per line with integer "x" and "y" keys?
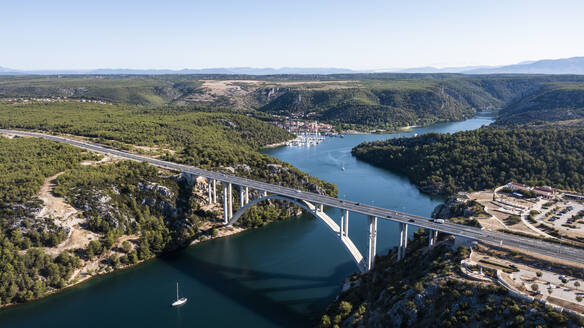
{"x": 219, "y": 70}
{"x": 5, "y": 70}
{"x": 574, "y": 65}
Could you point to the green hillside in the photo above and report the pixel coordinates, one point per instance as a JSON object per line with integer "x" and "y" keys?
{"x": 483, "y": 158}
{"x": 117, "y": 89}
{"x": 207, "y": 140}
{"x": 390, "y": 101}
{"x": 362, "y": 101}
{"x": 558, "y": 101}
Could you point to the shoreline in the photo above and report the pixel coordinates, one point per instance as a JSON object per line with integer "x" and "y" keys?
{"x": 406, "y": 128}
{"x": 203, "y": 238}
{"x": 275, "y": 145}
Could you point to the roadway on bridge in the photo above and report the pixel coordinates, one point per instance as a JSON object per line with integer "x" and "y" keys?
{"x": 490, "y": 237}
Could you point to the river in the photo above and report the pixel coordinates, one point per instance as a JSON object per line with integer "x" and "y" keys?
{"x": 283, "y": 274}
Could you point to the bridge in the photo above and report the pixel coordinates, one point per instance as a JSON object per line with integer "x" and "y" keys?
{"x": 314, "y": 203}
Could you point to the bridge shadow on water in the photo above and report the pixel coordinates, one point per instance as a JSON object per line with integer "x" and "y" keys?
{"x": 234, "y": 283}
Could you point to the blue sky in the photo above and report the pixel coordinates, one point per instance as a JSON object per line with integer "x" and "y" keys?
{"x": 348, "y": 34}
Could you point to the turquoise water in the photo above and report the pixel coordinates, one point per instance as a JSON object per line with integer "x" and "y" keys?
{"x": 282, "y": 275}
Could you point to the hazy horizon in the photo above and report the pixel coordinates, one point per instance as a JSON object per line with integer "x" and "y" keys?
{"x": 281, "y": 67}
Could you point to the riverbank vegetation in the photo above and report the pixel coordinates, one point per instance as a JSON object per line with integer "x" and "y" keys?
{"x": 427, "y": 289}
{"x": 483, "y": 158}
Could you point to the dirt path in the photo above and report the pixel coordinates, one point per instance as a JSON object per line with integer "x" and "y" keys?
{"x": 64, "y": 215}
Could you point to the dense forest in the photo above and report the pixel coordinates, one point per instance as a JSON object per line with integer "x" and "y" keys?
{"x": 483, "y": 158}
{"x": 25, "y": 164}
{"x": 216, "y": 141}
{"x": 133, "y": 125}
{"x": 427, "y": 289}
{"x": 122, "y": 198}
{"x": 27, "y": 272}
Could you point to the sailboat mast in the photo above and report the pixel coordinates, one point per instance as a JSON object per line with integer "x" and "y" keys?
{"x": 177, "y": 290}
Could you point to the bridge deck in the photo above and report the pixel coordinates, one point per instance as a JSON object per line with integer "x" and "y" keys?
{"x": 490, "y": 237}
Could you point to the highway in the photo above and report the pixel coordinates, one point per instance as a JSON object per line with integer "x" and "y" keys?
{"x": 490, "y": 237}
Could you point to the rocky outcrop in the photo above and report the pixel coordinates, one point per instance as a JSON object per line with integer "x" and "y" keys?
{"x": 162, "y": 190}
{"x": 457, "y": 207}
{"x": 229, "y": 123}
{"x": 427, "y": 289}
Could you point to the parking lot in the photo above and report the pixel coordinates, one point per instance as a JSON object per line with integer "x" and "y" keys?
{"x": 551, "y": 284}
{"x": 568, "y": 215}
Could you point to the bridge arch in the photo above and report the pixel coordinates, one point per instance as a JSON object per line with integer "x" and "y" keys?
{"x": 312, "y": 209}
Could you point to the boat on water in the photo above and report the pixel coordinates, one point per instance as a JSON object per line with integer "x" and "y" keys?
{"x": 342, "y": 168}
{"x": 306, "y": 140}
{"x": 179, "y": 301}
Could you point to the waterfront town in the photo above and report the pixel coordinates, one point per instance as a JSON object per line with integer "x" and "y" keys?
{"x": 302, "y": 127}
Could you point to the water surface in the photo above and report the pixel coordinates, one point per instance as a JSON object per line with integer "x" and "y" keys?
{"x": 282, "y": 275}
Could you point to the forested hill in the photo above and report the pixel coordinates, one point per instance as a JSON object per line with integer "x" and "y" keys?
{"x": 552, "y": 103}
{"x": 362, "y": 101}
{"x": 483, "y": 158}
{"x": 400, "y": 100}
{"x": 217, "y": 141}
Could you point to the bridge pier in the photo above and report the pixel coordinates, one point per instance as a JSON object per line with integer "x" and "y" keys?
{"x": 210, "y": 194}
{"x": 403, "y": 241}
{"x": 320, "y": 207}
{"x": 246, "y": 195}
{"x": 225, "y": 203}
{"x": 214, "y": 191}
{"x": 241, "y": 197}
{"x": 230, "y": 197}
{"x": 372, "y": 247}
{"x": 432, "y": 237}
{"x": 345, "y": 224}
{"x": 405, "y": 238}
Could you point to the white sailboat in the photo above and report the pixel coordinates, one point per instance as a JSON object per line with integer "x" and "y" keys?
{"x": 179, "y": 301}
